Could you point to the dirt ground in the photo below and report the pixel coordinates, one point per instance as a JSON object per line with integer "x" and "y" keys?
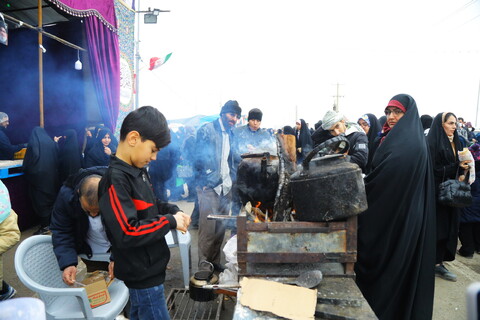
{"x": 450, "y": 300}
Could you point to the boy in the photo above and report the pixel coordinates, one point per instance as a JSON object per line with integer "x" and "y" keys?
{"x": 135, "y": 220}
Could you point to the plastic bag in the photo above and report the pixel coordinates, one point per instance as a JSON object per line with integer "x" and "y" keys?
{"x": 230, "y": 274}
{"x": 464, "y": 155}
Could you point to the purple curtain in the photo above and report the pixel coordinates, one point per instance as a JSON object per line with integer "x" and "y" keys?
{"x": 104, "y": 10}
{"x": 104, "y": 55}
{"x": 103, "y": 51}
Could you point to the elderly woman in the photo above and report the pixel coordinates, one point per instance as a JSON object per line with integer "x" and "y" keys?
{"x": 444, "y": 145}
{"x": 396, "y": 235}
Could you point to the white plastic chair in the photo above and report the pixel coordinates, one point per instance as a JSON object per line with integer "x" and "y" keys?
{"x": 183, "y": 241}
{"x": 37, "y": 268}
{"x": 174, "y": 239}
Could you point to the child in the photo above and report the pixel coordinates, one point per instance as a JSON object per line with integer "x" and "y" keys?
{"x": 9, "y": 236}
{"x": 135, "y": 220}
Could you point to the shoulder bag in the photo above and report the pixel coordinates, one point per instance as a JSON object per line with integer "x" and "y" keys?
{"x": 455, "y": 193}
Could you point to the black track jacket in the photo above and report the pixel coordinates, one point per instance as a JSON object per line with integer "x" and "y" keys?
{"x": 136, "y": 224}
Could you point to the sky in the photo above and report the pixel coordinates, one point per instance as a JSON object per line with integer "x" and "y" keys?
{"x": 288, "y": 58}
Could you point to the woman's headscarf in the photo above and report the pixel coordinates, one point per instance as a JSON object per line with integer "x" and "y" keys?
{"x": 382, "y": 120}
{"x": 304, "y": 140}
{"x": 396, "y": 234}
{"x": 375, "y": 129}
{"x": 426, "y": 121}
{"x": 438, "y": 141}
{"x": 96, "y": 155}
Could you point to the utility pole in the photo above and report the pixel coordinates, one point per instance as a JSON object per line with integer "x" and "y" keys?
{"x": 336, "y": 107}
{"x": 137, "y": 58}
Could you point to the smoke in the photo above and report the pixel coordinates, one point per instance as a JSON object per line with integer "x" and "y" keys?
{"x": 63, "y": 86}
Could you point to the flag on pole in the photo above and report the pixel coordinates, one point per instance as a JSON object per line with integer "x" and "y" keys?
{"x": 157, "y": 62}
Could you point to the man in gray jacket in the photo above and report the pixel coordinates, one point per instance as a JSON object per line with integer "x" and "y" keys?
{"x": 215, "y": 174}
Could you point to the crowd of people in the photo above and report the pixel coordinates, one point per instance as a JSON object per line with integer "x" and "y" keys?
{"x": 404, "y": 237}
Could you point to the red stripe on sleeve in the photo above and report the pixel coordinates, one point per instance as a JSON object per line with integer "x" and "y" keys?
{"x": 123, "y": 221}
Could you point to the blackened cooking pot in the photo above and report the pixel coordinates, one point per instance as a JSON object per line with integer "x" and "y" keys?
{"x": 200, "y": 278}
{"x": 257, "y": 178}
{"x": 328, "y": 187}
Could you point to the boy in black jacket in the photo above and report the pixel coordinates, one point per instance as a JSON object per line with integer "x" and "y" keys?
{"x": 136, "y": 221}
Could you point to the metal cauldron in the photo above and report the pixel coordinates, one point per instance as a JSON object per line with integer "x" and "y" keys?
{"x": 257, "y": 178}
{"x": 328, "y": 187}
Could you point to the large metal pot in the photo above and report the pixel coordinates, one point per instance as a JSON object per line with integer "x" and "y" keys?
{"x": 201, "y": 278}
{"x": 328, "y": 187}
{"x": 257, "y": 178}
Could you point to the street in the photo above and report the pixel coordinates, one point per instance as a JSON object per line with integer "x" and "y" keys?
{"x": 450, "y": 301}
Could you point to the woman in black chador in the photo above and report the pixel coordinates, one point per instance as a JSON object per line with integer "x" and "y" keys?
{"x": 104, "y": 145}
{"x": 304, "y": 140}
{"x": 372, "y": 128}
{"x": 70, "y": 158}
{"x": 40, "y": 167}
{"x": 444, "y": 145}
{"x": 396, "y": 234}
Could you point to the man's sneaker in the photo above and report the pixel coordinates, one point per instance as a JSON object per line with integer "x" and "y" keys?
{"x": 442, "y": 272}
{"x": 9, "y": 294}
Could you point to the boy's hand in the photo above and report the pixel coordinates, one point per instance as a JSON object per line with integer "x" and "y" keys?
{"x": 183, "y": 221}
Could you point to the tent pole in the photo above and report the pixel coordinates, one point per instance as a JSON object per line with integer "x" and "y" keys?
{"x": 40, "y": 63}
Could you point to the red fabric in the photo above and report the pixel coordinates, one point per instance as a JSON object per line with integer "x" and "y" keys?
{"x": 153, "y": 62}
{"x": 397, "y": 104}
{"x": 141, "y": 205}
{"x": 123, "y": 221}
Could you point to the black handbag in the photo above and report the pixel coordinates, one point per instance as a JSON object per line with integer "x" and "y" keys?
{"x": 454, "y": 193}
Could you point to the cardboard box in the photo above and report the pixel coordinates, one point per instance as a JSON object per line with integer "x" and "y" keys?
{"x": 97, "y": 289}
{"x": 20, "y": 154}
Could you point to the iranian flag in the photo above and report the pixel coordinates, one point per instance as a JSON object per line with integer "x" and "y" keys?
{"x": 157, "y": 62}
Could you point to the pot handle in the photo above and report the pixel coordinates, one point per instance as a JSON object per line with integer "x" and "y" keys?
{"x": 326, "y": 144}
{"x": 209, "y": 266}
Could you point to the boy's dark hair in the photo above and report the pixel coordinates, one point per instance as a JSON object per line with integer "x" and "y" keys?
{"x": 150, "y": 124}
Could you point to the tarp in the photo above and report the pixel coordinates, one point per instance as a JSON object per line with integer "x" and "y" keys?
{"x": 194, "y": 121}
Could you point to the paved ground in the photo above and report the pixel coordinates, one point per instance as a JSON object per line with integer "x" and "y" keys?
{"x": 449, "y": 296}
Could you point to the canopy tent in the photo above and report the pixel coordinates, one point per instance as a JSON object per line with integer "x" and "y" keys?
{"x": 90, "y": 24}
{"x": 195, "y": 121}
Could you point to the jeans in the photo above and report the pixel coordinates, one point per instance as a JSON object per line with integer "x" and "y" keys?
{"x": 148, "y": 304}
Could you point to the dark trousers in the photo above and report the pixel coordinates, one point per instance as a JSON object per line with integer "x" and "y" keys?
{"x": 469, "y": 236}
{"x": 211, "y": 232}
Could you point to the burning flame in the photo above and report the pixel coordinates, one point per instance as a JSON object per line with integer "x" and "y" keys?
{"x": 259, "y": 216}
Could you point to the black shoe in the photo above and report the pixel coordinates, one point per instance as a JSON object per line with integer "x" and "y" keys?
{"x": 43, "y": 231}
{"x": 443, "y": 273}
{"x": 468, "y": 256}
